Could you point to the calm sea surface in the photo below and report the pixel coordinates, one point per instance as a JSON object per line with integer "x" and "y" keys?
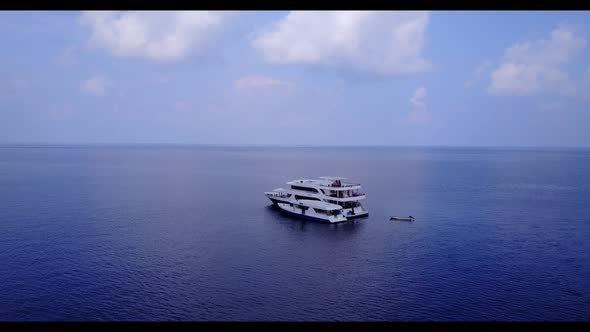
{"x": 185, "y": 233}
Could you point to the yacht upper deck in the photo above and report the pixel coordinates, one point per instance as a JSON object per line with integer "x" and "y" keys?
{"x": 331, "y": 183}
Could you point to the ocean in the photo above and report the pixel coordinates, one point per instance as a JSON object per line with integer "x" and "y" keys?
{"x": 185, "y": 233}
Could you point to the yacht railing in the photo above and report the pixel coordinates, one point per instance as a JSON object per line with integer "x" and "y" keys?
{"x": 345, "y": 196}
{"x": 324, "y": 195}
{"x": 278, "y": 195}
{"x": 345, "y": 185}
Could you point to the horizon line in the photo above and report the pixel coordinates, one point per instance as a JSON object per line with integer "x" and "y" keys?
{"x": 121, "y": 144}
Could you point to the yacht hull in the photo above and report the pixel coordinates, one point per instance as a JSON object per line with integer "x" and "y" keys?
{"x": 310, "y": 218}
{"x": 357, "y": 215}
{"x": 276, "y": 201}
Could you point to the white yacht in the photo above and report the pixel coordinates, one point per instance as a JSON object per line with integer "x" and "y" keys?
{"x": 326, "y": 199}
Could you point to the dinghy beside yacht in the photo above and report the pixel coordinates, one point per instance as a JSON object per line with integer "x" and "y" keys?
{"x": 408, "y": 218}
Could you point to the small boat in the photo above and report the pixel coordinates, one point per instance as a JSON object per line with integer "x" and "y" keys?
{"x": 408, "y": 218}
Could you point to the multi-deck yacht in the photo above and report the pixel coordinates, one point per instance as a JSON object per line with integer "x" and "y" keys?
{"x": 326, "y": 199}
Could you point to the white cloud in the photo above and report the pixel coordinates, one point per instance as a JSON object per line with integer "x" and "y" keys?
{"x": 537, "y": 66}
{"x": 384, "y": 43}
{"x": 96, "y": 86}
{"x": 418, "y": 114}
{"x": 258, "y": 82}
{"x": 418, "y": 99}
{"x": 155, "y": 35}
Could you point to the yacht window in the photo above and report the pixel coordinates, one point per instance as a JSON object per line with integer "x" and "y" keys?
{"x": 309, "y": 198}
{"x": 311, "y": 190}
{"x": 320, "y": 211}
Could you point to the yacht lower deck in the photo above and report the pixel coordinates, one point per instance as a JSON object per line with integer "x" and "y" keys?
{"x": 303, "y": 211}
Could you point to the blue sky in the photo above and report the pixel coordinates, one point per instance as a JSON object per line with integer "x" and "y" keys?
{"x": 464, "y": 78}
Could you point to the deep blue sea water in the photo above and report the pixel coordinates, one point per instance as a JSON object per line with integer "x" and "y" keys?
{"x": 185, "y": 233}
